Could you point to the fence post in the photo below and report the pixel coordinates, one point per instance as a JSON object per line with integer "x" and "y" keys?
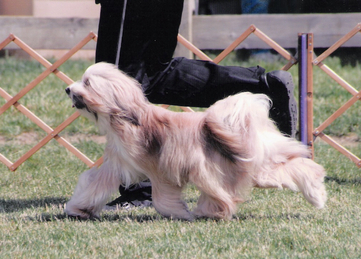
{"x": 185, "y": 29}
{"x": 302, "y": 86}
{"x": 310, "y": 54}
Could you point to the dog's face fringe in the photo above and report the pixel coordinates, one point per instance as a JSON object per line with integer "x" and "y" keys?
{"x": 100, "y": 93}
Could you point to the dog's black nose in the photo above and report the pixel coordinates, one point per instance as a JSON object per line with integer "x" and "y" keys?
{"x": 67, "y": 90}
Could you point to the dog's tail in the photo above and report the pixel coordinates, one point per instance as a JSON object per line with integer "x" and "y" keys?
{"x": 273, "y": 160}
{"x": 244, "y": 118}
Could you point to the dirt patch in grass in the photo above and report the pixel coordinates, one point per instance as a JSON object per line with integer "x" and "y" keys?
{"x": 351, "y": 140}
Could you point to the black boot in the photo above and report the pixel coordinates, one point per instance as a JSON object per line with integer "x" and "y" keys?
{"x": 284, "y": 106}
{"x": 138, "y": 195}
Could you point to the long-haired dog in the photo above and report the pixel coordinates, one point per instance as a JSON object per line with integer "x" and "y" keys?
{"x": 224, "y": 151}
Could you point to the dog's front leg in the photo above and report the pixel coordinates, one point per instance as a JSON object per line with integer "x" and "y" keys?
{"x": 92, "y": 192}
{"x": 167, "y": 200}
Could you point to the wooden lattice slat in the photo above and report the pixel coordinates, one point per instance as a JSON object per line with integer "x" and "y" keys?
{"x": 13, "y": 101}
{"x": 45, "y": 127}
{"x": 342, "y": 82}
{"x": 338, "y": 44}
{"x": 340, "y": 149}
{"x": 233, "y": 45}
{"x": 337, "y": 113}
{"x": 193, "y": 48}
{"x": 318, "y": 131}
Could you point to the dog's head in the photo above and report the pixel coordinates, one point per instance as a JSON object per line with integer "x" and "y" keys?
{"x": 106, "y": 91}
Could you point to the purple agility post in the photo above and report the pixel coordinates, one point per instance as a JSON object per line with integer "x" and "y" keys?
{"x": 302, "y": 86}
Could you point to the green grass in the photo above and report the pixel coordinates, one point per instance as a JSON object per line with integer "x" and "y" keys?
{"x": 272, "y": 224}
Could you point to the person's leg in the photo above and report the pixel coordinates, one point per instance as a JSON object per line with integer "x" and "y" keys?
{"x": 201, "y": 83}
{"x": 197, "y": 83}
{"x": 108, "y": 31}
{"x": 137, "y": 35}
{"x": 148, "y": 39}
{"x": 160, "y": 51}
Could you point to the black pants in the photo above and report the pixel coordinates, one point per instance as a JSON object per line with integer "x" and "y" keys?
{"x": 198, "y": 83}
{"x": 149, "y": 38}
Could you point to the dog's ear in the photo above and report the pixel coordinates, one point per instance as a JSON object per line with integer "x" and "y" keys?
{"x": 125, "y": 114}
{"x": 132, "y": 118}
{"x": 117, "y": 119}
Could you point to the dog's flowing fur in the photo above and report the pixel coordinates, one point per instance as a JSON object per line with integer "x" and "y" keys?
{"x": 224, "y": 151}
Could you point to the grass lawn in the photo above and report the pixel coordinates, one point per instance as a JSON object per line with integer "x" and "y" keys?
{"x": 272, "y": 224}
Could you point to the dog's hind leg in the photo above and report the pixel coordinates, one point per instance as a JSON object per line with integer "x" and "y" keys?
{"x": 309, "y": 177}
{"x": 296, "y": 174}
{"x": 167, "y": 200}
{"x": 221, "y": 205}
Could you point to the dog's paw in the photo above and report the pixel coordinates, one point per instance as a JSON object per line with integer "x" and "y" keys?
{"x": 80, "y": 218}
{"x": 80, "y": 214}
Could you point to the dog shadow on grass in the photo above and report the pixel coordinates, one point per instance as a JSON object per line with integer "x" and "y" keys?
{"x": 343, "y": 181}
{"x": 17, "y": 205}
{"x": 138, "y": 215}
{"x": 8, "y": 206}
{"x": 154, "y": 217}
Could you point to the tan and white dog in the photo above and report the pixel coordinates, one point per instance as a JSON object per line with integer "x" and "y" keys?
{"x": 225, "y": 151}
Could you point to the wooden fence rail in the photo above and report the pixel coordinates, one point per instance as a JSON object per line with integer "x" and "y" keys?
{"x": 205, "y": 32}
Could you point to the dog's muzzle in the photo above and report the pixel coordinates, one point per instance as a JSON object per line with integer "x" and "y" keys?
{"x": 67, "y": 90}
{"x": 77, "y": 100}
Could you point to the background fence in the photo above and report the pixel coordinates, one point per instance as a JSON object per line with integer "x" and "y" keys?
{"x": 245, "y": 36}
{"x": 13, "y": 101}
{"x": 356, "y": 95}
